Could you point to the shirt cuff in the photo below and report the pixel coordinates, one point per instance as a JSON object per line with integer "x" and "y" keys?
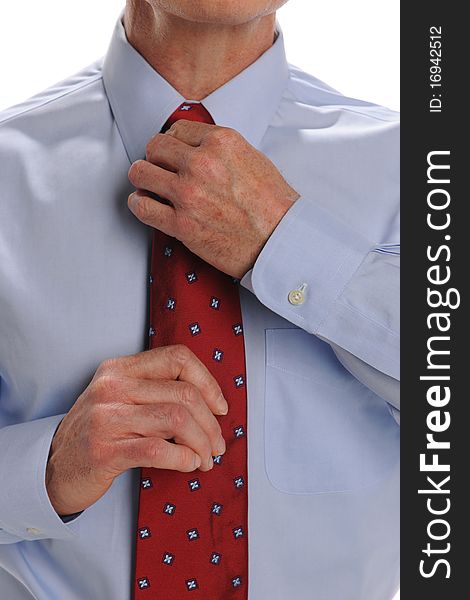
{"x": 26, "y": 512}
{"x": 305, "y": 264}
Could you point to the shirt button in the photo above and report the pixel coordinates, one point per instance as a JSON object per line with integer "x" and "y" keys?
{"x": 33, "y": 531}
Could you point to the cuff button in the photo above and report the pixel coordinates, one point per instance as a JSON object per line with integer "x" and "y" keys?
{"x": 296, "y": 297}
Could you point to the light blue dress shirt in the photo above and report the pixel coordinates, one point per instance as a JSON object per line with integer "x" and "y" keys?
{"x": 322, "y": 364}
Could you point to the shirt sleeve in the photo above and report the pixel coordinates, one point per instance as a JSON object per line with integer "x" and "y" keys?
{"x": 26, "y": 512}
{"x": 320, "y": 274}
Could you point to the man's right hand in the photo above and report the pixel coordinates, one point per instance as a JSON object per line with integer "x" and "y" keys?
{"x": 124, "y": 419}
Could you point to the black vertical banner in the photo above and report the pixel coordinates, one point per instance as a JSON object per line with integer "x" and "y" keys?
{"x": 435, "y": 308}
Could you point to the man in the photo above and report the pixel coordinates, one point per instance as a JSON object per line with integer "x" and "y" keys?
{"x": 283, "y": 192}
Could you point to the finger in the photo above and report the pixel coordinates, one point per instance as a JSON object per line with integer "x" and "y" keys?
{"x": 168, "y": 152}
{"x": 145, "y": 176}
{"x": 152, "y": 212}
{"x": 149, "y": 394}
{"x": 190, "y": 132}
{"x": 171, "y": 421}
{"x": 156, "y": 453}
{"x": 173, "y": 362}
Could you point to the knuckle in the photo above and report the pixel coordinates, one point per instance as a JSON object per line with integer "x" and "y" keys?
{"x": 174, "y": 127}
{"x": 107, "y": 366}
{"x": 185, "y": 460}
{"x": 178, "y": 416}
{"x": 157, "y": 450}
{"x": 150, "y": 148}
{"x": 224, "y": 135}
{"x": 143, "y": 209}
{"x": 127, "y": 361}
{"x": 180, "y": 353}
{"x": 136, "y": 170}
{"x": 153, "y": 145}
{"x": 107, "y": 385}
{"x": 202, "y": 163}
{"x": 188, "y": 394}
{"x": 177, "y": 126}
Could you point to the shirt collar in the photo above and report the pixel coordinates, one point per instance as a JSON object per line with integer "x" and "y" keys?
{"x": 142, "y": 100}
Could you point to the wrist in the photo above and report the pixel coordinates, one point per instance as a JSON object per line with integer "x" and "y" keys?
{"x": 53, "y": 490}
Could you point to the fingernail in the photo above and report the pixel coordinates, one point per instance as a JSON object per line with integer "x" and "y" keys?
{"x": 221, "y": 446}
{"x": 197, "y": 461}
{"x": 222, "y": 405}
{"x": 132, "y": 200}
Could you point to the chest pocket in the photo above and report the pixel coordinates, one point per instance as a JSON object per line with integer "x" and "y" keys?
{"x": 324, "y": 431}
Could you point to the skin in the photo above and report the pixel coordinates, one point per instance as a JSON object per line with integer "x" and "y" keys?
{"x": 224, "y": 199}
{"x": 198, "y": 45}
{"x": 123, "y": 419}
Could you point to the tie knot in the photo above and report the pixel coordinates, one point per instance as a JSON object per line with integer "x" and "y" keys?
{"x": 192, "y": 111}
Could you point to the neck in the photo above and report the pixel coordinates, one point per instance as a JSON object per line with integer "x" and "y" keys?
{"x": 195, "y": 58}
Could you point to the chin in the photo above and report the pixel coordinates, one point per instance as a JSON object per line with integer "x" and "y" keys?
{"x": 221, "y": 12}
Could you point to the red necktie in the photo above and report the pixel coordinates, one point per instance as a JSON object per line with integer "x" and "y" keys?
{"x": 193, "y": 527}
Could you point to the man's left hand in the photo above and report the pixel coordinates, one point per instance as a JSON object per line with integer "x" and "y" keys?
{"x": 225, "y": 198}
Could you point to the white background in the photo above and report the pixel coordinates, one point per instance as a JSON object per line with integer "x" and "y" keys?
{"x": 352, "y": 45}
